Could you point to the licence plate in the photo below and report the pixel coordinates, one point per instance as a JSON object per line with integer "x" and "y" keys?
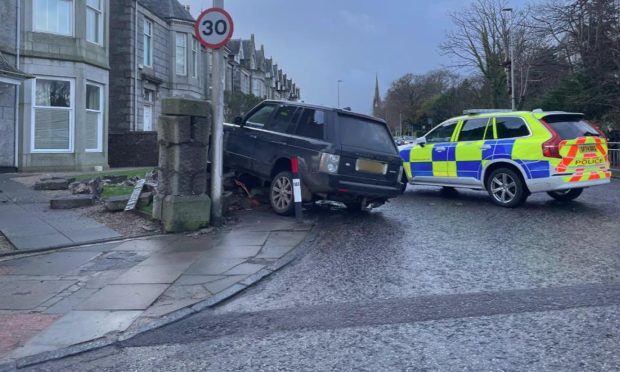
{"x": 370, "y": 166}
{"x": 587, "y": 148}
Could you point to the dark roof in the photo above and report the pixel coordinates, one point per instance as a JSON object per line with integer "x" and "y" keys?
{"x": 248, "y": 49}
{"x": 233, "y": 45}
{"x": 167, "y": 9}
{"x": 9, "y": 70}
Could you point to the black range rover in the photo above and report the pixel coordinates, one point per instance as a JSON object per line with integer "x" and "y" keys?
{"x": 343, "y": 156}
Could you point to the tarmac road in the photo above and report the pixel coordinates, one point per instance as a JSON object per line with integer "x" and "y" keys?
{"x": 431, "y": 281}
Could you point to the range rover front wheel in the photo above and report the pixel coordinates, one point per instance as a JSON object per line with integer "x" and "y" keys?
{"x": 281, "y": 193}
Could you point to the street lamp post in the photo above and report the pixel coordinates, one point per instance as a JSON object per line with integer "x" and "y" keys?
{"x": 512, "y": 65}
{"x": 339, "y": 81}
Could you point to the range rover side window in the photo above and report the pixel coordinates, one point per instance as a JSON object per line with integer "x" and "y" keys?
{"x": 284, "y": 118}
{"x": 260, "y": 118}
{"x": 442, "y": 133}
{"x": 312, "y": 124}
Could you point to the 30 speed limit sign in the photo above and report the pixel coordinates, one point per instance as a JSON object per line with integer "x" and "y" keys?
{"x": 214, "y": 27}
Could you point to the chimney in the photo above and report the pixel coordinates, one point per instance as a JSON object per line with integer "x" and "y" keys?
{"x": 187, "y": 8}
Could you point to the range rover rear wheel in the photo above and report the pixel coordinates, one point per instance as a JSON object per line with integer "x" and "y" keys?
{"x": 281, "y": 193}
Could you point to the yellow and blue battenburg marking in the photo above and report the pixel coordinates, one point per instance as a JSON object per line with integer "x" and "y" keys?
{"x": 468, "y": 159}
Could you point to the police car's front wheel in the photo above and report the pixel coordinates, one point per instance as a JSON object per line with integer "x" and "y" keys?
{"x": 506, "y": 188}
{"x": 565, "y": 195}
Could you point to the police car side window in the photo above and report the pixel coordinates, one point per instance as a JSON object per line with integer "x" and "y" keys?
{"x": 260, "y": 117}
{"x": 442, "y": 133}
{"x": 511, "y": 127}
{"x": 473, "y": 129}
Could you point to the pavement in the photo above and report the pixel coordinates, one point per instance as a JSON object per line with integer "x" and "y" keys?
{"x": 70, "y": 300}
{"x": 432, "y": 281}
{"x": 28, "y": 223}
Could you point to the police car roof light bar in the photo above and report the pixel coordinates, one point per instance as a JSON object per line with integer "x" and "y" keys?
{"x": 484, "y": 111}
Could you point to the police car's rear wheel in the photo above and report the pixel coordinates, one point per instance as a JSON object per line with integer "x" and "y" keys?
{"x": 281, "y": 193}
{"x": 565, "y": 195}
{"x": 506, "y": 188}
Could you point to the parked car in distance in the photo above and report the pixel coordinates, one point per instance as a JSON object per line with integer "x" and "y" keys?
{"x": 343, "y": 156}
{"x": 511, "y": 155}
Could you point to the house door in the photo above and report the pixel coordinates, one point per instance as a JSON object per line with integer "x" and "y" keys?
{"x": 148, "y": 110}
{"x": 7, "y": 127}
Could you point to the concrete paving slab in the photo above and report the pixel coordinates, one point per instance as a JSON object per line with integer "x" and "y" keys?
{"x": 103, "y": 278}
{"x": 114, "y": 260}
{"x": 168, "y": 306}
{"x": 149, "y": 245}
{"x": 270, "y": 252}
{"x": 31, "y": 242}
{"x": 155, "y": 274}
{"x": 285, "y": 238}
{"x": 238, "y": 251}
{"x": 71, "y": 302}
{"x": 244, "y": 269}
{"x": 220, "y": 285}
{"x": 197, "y": 279}
{"x": 242, "y": 237}
{"x": 171, "y": 258}
{"x": 27, "y": 295}
{"x": 77, "y": 327}
{"x": 90, "y": 234}
{"x": 124, "y": 297}
{"x": 57, "y": 263}
{"x": 213, "y": 266}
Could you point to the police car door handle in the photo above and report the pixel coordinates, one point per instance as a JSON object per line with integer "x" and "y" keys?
{"x": 485, "y": 147}
{"x": 440, "y": 149}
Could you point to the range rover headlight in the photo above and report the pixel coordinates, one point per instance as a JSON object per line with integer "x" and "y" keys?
{"x": 329, "y": 163}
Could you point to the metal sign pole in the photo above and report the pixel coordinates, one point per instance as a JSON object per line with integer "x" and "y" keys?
{"x": 217, "y": 135}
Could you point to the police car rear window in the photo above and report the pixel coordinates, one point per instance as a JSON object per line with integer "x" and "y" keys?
{"x": 365, "y": 134}
{"x": 570, "y": 127}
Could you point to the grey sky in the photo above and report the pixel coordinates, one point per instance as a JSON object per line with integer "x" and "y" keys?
{"x": 318, "y": 42}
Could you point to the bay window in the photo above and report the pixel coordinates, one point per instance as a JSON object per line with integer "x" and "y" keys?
{"x": 93, "y": 130}
{"x": 181, "y": 53}
{"x": 52, "y": 123}
{"x": 94, "y": 21}
{"x": 53, "y": 16}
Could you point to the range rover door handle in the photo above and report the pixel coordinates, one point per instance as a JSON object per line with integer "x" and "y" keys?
{"x": 280, "y": 143}
{"x": 254, "y": 136}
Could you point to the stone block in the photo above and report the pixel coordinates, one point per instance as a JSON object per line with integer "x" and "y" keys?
{"x": 201, "y": 129}
{"x": 185, "y": 107}
{"x": 185, "y": 213}
{"x": 118, "y": 203}
{"x": 52, "y": 184}
{"x": 158, "y": 200}
{"x": 72, "y": 202}
{"x": 174, "y": 129}
{"x": 175, "y": 183}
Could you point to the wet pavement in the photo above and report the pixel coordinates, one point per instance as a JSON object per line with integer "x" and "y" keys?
{"x": 431, "y": 281}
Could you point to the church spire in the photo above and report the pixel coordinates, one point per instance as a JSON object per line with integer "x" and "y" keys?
{"x": 376, "y": 102}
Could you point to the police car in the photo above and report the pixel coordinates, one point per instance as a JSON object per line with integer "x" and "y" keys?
{"x": 511, "y": 155}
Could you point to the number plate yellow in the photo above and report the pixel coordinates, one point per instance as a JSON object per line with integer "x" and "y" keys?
{"x": 370, "y": 166}
{"x": 587, "y": 148}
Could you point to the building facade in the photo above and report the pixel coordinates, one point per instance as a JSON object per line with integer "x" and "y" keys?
{"x": 154, "y": 55}
{"x": 62, "y": 111}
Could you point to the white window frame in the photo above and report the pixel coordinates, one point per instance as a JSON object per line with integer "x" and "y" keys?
{"x": 176, "y": 66}
{"x": 101, "y": 113}
{"x": 195, "y": 57}
{"x": 34, "y": 20}
{"x": 99, "y": 13}
{"x": 150, "y": 38}
{"x": 71, "y": 110}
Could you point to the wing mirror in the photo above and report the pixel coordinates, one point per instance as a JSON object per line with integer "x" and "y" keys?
{"x": 238, "y": 120}
{"x": 420, "y": 141}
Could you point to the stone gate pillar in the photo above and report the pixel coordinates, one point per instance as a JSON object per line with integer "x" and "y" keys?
{"x": 183, "y": 128}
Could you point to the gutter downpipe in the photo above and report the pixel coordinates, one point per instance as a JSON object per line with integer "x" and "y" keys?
{"x": 17, "y": 66}
{"x": 135, "y": 67}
